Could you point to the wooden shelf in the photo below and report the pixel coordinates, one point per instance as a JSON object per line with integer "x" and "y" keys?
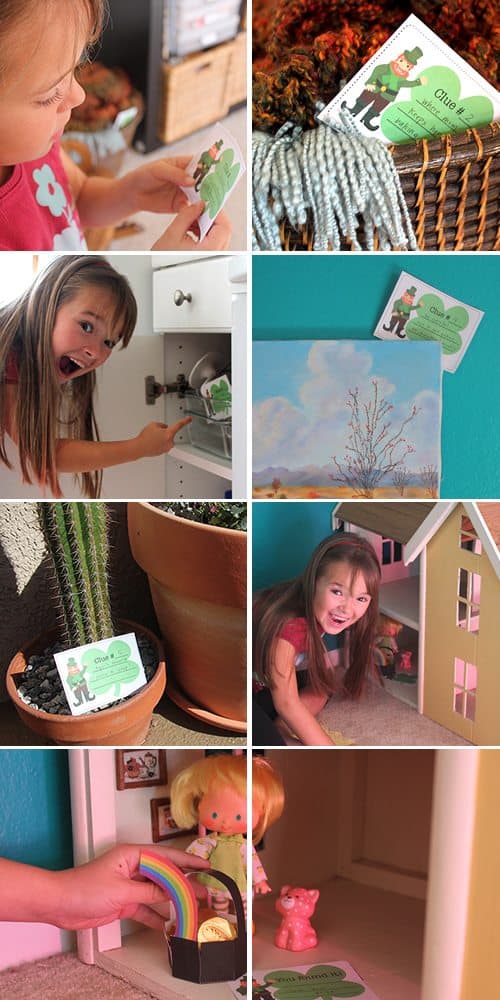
{"x": 202, "y": 460}
{"x": 143, "y": 962}
{"x": 400, "y": 599}
{"x": 379, "y": 933}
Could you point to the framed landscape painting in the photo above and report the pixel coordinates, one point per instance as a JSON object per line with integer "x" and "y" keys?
{"x": 346, "y": 418}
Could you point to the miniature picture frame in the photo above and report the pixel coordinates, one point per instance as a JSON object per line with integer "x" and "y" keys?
{"x": 140, "y": 768}
{"x": 163, "y": 825}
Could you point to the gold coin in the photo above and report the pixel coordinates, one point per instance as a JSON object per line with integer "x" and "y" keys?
{"x": 216, "y": 929}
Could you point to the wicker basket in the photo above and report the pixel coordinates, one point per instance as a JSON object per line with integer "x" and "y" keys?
{"x": 237, "y": 75}
{"x": 195, "y": 92}
{"x": 81, "y": 148}
{"x": 452, "y": 189}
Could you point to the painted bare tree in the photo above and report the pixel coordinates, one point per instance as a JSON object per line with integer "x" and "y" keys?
{"x": 401, "y": 479}
{"x": 375, "y": 447}
{"x": 429, "y": 477}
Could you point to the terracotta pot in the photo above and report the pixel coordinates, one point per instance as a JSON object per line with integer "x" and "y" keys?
{"x": 198, "y": 579}
{"x": 120, "y": 725}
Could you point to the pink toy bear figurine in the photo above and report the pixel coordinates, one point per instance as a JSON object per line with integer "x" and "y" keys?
{"x": 403, "y": 661}
{"x": 296, "y": 906}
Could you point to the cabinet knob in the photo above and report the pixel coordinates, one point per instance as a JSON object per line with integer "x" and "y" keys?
{"x": 179, "y": 297}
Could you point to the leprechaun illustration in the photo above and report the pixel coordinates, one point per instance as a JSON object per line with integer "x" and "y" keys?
{"x": 401, "y": 311}
{"x": 77, "y": 682}
{"x": 207, "y": 160}
{"x": 383, "y": 86}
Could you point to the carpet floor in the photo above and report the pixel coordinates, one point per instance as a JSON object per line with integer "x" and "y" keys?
{"x": 379, "y": 719}
{"x": 64, "y": 977}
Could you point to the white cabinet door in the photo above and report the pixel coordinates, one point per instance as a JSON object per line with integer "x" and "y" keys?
{"x": 170, "y": 259}
{"x": 122, "y": 412}
{"x": 202, "y": 292}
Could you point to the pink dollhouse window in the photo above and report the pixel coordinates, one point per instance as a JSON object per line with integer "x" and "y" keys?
{"x": 468, "y": 599}
{"x": 465, "y": 689}
{"x": 468, "y": 537}
{"x": 392, "y": 552}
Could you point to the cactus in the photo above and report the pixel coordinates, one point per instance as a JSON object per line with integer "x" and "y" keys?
{"x": 77, "y": 539}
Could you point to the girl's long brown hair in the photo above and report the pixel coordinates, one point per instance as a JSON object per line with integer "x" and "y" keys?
{"x": 295, "y": 599}
{"x": 46, "y": 409}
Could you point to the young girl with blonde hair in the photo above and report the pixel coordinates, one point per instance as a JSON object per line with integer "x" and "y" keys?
{"x": 308, "y": 628}
{"x": 45, "y": 199}
{"x": 52, "y": 340}
{"x": 213, "y": 793}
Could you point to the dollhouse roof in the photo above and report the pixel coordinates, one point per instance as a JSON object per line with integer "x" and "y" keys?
{"x": 414, "y": 524}
{"x": 479, "y": 519}
{"x": 490, "y": 513}
{"x": 398, "y": 521}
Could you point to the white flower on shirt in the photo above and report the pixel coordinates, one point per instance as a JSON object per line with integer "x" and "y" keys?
{"x": 70, "y": 238}
{"x": 49, "y": 192}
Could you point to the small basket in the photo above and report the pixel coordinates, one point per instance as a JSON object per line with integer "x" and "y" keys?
{"x": 194, "y": 92}
{"x": 214, "y": 961}
{"x": 237, "y": 75}
{"x": 451, "y": 186}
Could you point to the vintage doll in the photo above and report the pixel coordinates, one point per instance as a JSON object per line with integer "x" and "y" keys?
{"x": 386, "y": 646}
{"x": 213, "y": 793}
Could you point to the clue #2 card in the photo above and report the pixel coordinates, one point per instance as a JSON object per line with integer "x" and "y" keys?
{"x": 415, "y": 87}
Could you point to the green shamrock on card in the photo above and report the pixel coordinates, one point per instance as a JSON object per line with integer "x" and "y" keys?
{"x": 321, "y": 982}
{"x": 219, "y": 182}
{"x": 434, "y": 322}
{"x": 112, "y": 668}
{"x": 221, "y": 396}
{"x": 435, "y": 108}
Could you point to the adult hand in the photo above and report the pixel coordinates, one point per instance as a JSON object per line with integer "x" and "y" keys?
{"x": 158, "y": 439}
{"x": 181, "y": 232}
{"x": 110, "y": 888}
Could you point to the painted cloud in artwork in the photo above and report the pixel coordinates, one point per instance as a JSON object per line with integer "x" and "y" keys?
{"x": 312, "y": 401}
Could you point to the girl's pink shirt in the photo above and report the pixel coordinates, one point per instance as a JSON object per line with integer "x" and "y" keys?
{"x": 36, "y": 207}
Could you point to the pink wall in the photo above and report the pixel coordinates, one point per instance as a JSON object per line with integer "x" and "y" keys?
{"x": 28, "y": 942}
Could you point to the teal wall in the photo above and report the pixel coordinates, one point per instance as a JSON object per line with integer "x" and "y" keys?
{"x": 284, "y": 533}
{"x": 342, "y": 296}
{"x": 35, "y": 814}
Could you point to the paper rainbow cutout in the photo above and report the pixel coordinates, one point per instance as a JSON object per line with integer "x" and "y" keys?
{"x": 170, "y": 878}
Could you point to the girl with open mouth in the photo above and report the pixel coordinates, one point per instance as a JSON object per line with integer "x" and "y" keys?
{"x": 52, "y": 340}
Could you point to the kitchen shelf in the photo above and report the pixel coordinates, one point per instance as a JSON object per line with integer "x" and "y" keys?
{"x": 202, "y": 460}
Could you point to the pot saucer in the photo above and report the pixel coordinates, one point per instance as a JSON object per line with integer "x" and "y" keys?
{"x": 202, "y": 714}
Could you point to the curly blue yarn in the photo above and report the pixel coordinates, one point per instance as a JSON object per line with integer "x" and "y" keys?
{"x": 339, "y": 176}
